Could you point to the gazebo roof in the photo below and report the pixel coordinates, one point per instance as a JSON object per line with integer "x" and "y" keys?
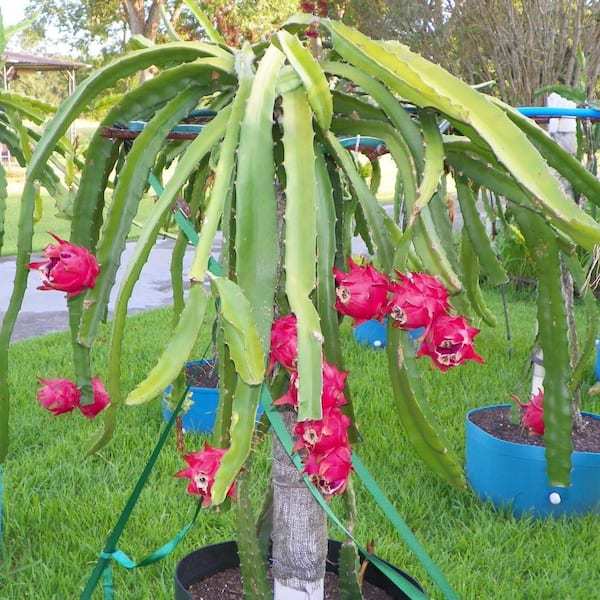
{"x": 22, "y": 61}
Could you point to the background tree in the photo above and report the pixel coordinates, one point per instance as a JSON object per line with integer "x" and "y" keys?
{"x": 51, "y": 86}
{"x": 248, "y": 20}
{"x": 85, "y": 27}
{"x": 92, "y": 28}
{"x": 529, "y": 44}
{"x": 426, "y": 26}
{"x": 522, "y": 45}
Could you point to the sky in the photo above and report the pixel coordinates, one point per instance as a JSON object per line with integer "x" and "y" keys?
{"x": 12, "y": 11}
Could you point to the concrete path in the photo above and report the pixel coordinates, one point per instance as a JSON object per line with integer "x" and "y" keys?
{"x": 46, "y": 311}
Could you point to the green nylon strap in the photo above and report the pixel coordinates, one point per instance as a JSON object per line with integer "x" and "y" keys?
{"x": 107, "y": 583}
{"x": 103, "y": 565}
{"x": 402, "y": 528}
{"x": 121, "y": 558}
{"x": 185, "y": 225}
{"x": 382, "y": 501}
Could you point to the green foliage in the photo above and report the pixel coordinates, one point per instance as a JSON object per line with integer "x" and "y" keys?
{"x": 249, "y": 20}
{"x": 514, "y": 256}
{"x": 247, "y": 88}
{"x": 49, "y": 551}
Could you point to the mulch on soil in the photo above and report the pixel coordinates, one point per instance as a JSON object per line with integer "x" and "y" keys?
{"x": 227, "y": 585}
{"x": 496, "y": 421}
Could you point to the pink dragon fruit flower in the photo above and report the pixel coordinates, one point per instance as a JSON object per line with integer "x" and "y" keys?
{"x": 322, "y": 435}
{"x": 100, "y": 402}
{"x": 201, "y": 470}
{"x": 416, "y": 299}
{"x": 59, "y": 396}
{"x": 69, "y": 268}
{"x": 532, "y": 415}
{"x": 362, "y": 293}
{"x": 284, "y": 343}
{"x": 329, "y": 473}
{"x": 334, "y": 382}
{"x": 449, "y": 342}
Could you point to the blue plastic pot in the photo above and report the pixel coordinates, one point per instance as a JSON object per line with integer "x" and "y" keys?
{"x": 201, "y": 416}
{"x": 513, "y": 476}
{"x": 373, "y": 333}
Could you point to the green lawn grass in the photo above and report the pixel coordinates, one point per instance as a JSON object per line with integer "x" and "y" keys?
{"x": 59, "y": 506}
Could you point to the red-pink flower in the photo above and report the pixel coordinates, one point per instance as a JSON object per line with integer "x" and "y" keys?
{"x": 201, "y": 471}
{"x": 334, "y": 382}
{"x": 532, "y": 415}
{"x": 329, "y": 473}
{"x": 291, "y": 395}
{"x": 69, "y": 268}
{"x": 449, "y": 342}
{"x": 284, "y": 343}
{"x": 320, "y": 8}
{"x": 101, "y": 400}
{"x": 362, "y": 293}
{"x": 58, "y": 395}
{"x": 416, "y": 299}
{"x": 322, "y": 435}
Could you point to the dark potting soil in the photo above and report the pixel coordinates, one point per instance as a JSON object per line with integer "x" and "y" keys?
{"x": 227, "y": 585}
{"x": 496, "y": 421}
{"x": 202, "y": 375}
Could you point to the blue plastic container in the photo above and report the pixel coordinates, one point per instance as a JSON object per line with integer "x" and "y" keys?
{"x": 201, "y": 416}
{"x": 373, "y": 334}
{"x": 597, "y": 366}
{"x": 513, "y": 476}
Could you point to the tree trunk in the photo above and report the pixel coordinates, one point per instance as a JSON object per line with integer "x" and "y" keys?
{"x": 140, "y": 25}
{"x": 299, "y": 529}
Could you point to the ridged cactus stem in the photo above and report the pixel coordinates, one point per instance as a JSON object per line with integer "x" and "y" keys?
{"x": 252, "y": 562}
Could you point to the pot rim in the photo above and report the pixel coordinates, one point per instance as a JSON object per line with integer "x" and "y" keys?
{"x": 374, "y": 576}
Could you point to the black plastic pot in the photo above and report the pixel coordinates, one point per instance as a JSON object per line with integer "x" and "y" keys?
{"x": 212, "y": 559}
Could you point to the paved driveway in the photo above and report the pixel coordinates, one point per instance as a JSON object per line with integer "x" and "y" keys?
{"x": 46, "y": 311}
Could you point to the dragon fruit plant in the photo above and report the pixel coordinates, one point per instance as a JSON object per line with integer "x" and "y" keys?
{"x": 273, "y": 169}
{"x": 532, "y": 412}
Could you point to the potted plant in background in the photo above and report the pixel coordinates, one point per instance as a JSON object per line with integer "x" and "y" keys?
{"x": 505, "y": 454}
{"x": 269, "y": 171}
